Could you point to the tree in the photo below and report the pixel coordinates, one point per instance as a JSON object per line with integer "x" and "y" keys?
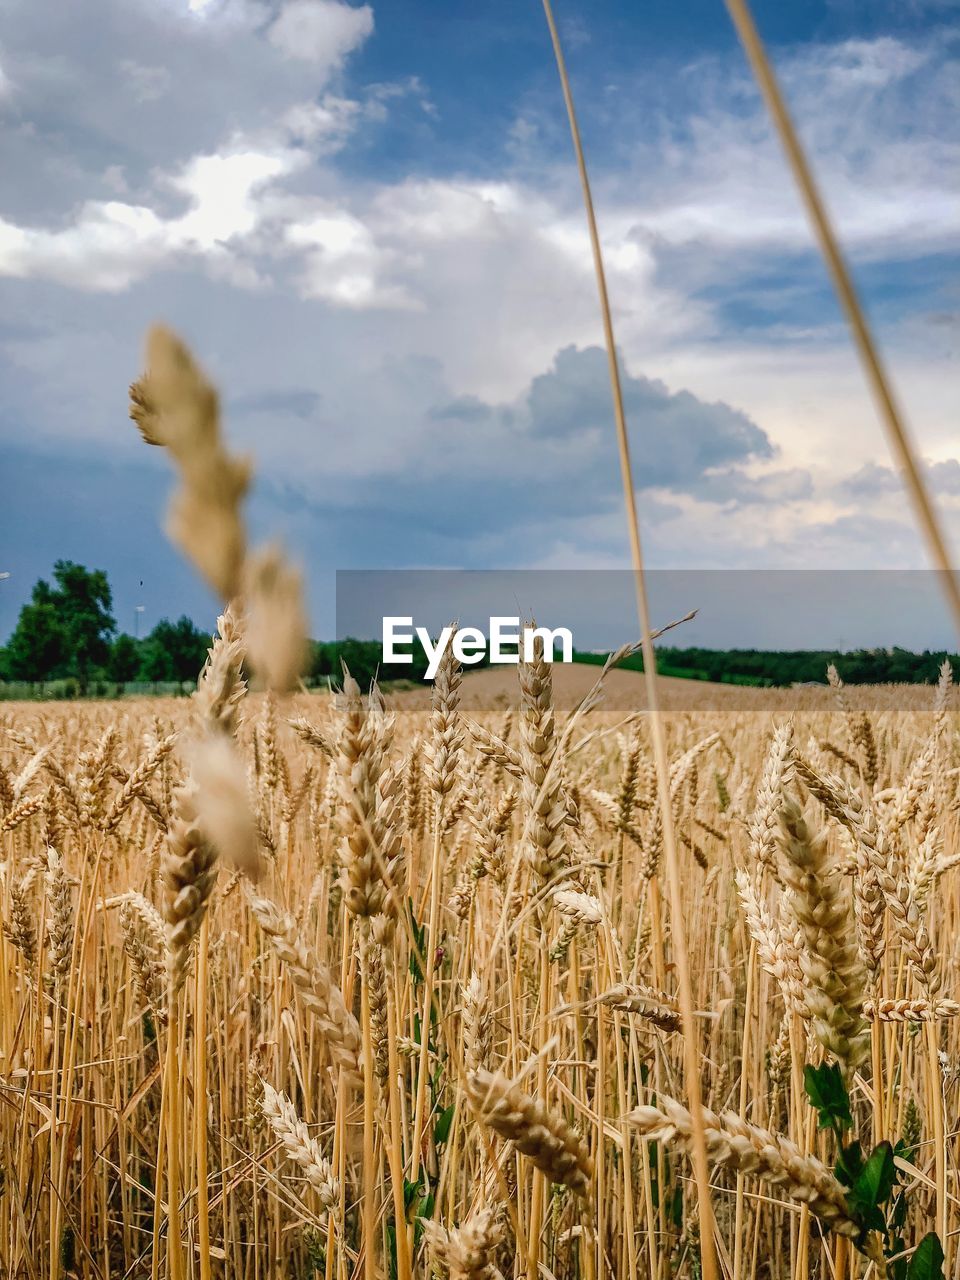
{"x": 82, "y": 601}
{"x": 123, "y": 661}
{"x": 184, "y": 645}
{"x": 155, "y": 664}
{"x": 38, "y": 645}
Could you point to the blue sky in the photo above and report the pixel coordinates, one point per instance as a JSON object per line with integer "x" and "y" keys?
{"x": 366, "y": 221}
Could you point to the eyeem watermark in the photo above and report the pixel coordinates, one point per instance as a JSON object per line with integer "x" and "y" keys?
{"x": 507, "y": 641}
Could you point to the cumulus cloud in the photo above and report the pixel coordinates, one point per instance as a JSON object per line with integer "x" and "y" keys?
{"x": 678, "y": 436}
{"x": 402, "y": 314}
{"x": 322, "y": 32}
{"x": 874, "y": 116}
{"x": 112, "y": 243}
{"x": 875, "y": 481}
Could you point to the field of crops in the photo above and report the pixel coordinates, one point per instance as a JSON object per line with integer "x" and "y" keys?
{"x": 323, "y": 986}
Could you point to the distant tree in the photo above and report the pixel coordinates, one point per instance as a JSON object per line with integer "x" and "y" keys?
{"x": 123, "y": 661}
{"x": 156, "y": 664}
{"x": 38, "y": 645}
{"x": 323, "y": 662}
{"x": 185, "y": 646}
{"x": 82, "y": 601}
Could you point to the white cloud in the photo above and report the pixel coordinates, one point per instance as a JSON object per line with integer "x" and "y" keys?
{"x": 876, "y": 118}
{"x": 379, "y": 299}
{"x": 322, "y": 32}
{"x": 111, "y": 244}
{"x": 223, "y": 192}
{"x": 343, "y": 263}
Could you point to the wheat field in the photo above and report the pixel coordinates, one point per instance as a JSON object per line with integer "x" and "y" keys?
{"x": 212, "y": 1049}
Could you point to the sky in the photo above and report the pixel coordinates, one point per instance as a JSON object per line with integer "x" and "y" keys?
{"x": 366, "y": 222}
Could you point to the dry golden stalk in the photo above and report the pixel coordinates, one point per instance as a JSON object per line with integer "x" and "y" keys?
{"x": 778, "y": 1066}
{"x": 746, "y": 1148}
{"x": 294, "y": 802}
{"x": 627, "y": 792}
{"x": 834, "y": 975}
{"x": 878, "y": 871}
{"x": 374, "y": 974}
{"x": 136, "y": 782}
{"x": 360, "y": 763}
{"x": 299, "y": 1147}
{"x": 861, "y": 732}
{"x": 413, "y": 793}
{"x": 152, "y": 806}
{"x": 220, "y": 805}
{"x": 311, "y": 735}
{"x": 453, "y": 811}
{"x": 579, "y": 908}
{"x": 477, "y": 1021}
{"x": 67, "y": 787}
{"x": 19, "y": 928}
{"x": 467, "y": 1252}
{"x": 27, "y": 808}
{"x": 942, "y": 699}
{"x": 268, "y": 764}
{"x": 546, "y": 846}
{"x": 276, "y": 624}
{"x": 446, "y": 733}
{"x": 540, "y": 1134}
{"x": 59, "y": 916}
{"x": 147, "y": 959}
{"x": 6, "y": 790}
{"x": 653, "y": 1006}
{"x": 53, "y": 830}
{"x": 489, "y": 828}
{"x": 27, "y": 773}
{"x": 188, "y": 872}
{"x": 221, "y": 687}
{"x": 838, "y": 753}
{"x": 775, "y": 946}
{"x": 920, "y": 1010}
{"x": 777, "y": 772}
{"x": 317, "y": 990}
{"x": 174, "y": 405}
{"x": 493, "y": 748}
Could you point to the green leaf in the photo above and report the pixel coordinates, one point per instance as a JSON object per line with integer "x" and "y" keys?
{"x": 927, "y": 1260}
{"x": 872, "y": 1187}
{"x": 828, "y": 1095}
{"x": 420, "y": 944}
{"x": 441, "y": 1130}
{"x": 676, "y": 1208}
{"x": 849, "y": 1164}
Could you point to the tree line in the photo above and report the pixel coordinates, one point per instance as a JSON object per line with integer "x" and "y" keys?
{"x": 67, "y": 631}
{"x": 771, "y": 668}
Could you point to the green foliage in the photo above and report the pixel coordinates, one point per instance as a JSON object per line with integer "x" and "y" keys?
{"x": 184, "y": 649}
{"x": 781, "y": 668}
{"x": 441, "y": 1129}
{"x": 83, "y": 601}
{"x": 927, "y": 1260}
{"x": 38, "y": 646}
{"x": 869, "y": 1182}
{"x": 827, "y": 1092}
{"x": 123, "y": 661}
